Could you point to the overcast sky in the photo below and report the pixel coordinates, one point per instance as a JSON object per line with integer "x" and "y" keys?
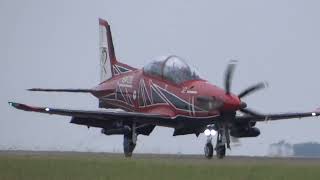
{"x": 54, "y": 44}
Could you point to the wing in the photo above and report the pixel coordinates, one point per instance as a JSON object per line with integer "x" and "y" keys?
{"x": 280, "y": 116}
{"x": 99, "y": 118}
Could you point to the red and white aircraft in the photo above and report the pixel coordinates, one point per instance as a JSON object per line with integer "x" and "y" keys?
{"x": 166, "y": 92}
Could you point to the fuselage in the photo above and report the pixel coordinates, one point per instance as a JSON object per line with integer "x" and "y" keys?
{"x": 139, "y": 92}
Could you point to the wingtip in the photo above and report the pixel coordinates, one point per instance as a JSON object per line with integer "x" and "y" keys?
{"x": 33, "y": 89}
{"x": 13, "y": 104}
{"x": 22, "y": 106}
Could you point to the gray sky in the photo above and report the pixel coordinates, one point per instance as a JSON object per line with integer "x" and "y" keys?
{"x": 54, "y": 44}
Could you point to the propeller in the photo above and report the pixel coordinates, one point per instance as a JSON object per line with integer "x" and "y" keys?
{"x": 228, "y": 76}
{"x": 249, "y": 111}
{"x": 209, "y": 102}
{"x": 235, "y": 141}
{"x": 251, "y": 89}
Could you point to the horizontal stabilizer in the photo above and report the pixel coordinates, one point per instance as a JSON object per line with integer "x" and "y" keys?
{"x": 63, "y": 90}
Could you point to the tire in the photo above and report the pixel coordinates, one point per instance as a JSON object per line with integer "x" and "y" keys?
{"x": 221, "y": 151}
{"x": 128, "y": 146}
{"x": 208, "y": 150}
{"x": 128, "y": 154}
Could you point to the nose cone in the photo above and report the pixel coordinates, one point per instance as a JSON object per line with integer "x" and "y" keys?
{"x": 243, "y": 105}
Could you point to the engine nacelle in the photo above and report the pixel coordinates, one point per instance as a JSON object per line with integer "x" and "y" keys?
{"x": 245, "y": 132}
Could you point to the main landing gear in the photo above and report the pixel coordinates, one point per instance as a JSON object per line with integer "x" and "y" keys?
{"x": 220, "y": 148}
{"x": 129, "y": 140}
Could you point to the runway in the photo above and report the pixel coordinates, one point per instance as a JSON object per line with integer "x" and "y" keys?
{"x": 44, "y": 165}
{"x": 189, "y": 159}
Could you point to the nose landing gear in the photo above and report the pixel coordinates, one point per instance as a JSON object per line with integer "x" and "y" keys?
{"x": 220, "y": 148}
{"x": 208, "y": 148}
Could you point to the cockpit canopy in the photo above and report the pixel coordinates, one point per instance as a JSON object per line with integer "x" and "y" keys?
{"x": 171, "y": 68}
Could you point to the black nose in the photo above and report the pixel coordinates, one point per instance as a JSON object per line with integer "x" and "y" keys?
{"x": 243, "y": 105}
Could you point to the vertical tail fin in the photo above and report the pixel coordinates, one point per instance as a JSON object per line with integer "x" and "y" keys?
{"x": 107, "y": 55}
{"x": 108, "y": 62}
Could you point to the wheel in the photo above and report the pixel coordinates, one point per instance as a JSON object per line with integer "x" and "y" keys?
{"x": 128, "y": 149}
{"x": 208, "y": 150}
{"x": 221, "y": 151}
{"x": 128, "y": 146}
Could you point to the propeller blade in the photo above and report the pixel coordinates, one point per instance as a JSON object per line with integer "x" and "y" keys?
{"x": 204, "y": 99}
{"x": 252, "y": 89}
{"x": 208, "y": 102}
{"x": 250, "y": 112}
{"x": 234, "y": 139}
{"x": 228, "y": 75}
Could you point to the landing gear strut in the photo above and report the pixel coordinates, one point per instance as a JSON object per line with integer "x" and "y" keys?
{"x": 128, "y": 145}
{"x": 129, "y": 141}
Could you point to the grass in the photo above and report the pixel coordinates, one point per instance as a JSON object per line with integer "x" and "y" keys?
{"x": 42, "y": 167}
